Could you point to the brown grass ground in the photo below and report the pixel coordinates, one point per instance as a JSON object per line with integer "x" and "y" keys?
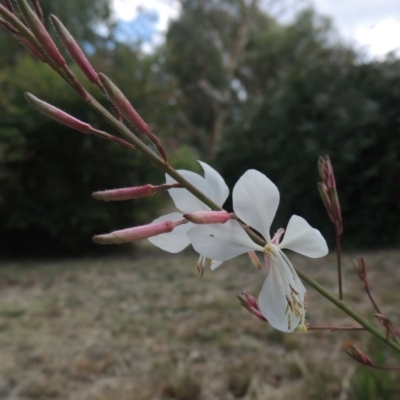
{"x": 150, "y": 328}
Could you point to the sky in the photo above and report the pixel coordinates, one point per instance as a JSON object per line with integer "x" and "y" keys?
{"x": 371, "y": 25}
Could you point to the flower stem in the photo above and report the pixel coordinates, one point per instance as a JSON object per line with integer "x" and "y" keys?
{"x": 339, "y": 262}
{"x": 349, "y": 311}
{"x": 335, "y": 328}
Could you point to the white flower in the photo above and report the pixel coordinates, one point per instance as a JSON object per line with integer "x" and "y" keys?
{"x": 213, "y": 186}
{"x": 282, "y": 299}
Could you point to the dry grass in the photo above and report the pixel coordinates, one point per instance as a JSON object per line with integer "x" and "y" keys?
{"x": 149, "y": 328}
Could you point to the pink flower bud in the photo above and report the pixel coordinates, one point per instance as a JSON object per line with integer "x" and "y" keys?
{"x": 360, "y": 268}
{"x": 356, "y": 354}
{"x": 18, "y": 26}
{"x": 328, "y": 192}
{"x": 41, "y": 34}
{"x": 132, "y": 192}
{"x": 35, "y": 52}
{"x": 251, "y": 304}
{"x": 136, "y": 233}
{"x": 326, "y": 172}
{"x": 125, "y": 193}
{"x": 9, "y": 5}
{"x": 74, "y": 50}
{"x": 208, "y": 217}
{"x": 123, "y": 104}
{"x": 58, "y": 115}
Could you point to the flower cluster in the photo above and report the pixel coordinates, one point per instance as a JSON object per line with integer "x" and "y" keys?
{"x": 220, "y": 236}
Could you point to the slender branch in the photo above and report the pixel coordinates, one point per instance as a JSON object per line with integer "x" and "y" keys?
{"x": 366, "y": 286}
{"x": 349, "y": 311}
{"x": 339, "y": 262}
{"x": 335, "y": 328}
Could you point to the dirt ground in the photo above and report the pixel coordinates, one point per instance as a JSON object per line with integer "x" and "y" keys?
{"x": 148, "y": 327}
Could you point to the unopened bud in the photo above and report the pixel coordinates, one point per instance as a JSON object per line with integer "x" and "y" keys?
{"x": 74, "y": 50}
{"x": 132, "y": 192}
{"x": 33, "y": 50}
{"x": 40, "y": 33}
{"x": 208, "y": 217}
{"x": 125, "y": 193}
{"x": 18, "y": 26}
{"x": 136, "y": 233}
{"x": 123, "y": 104}
{"x": 360, "y": 268}
{"x": 326, "y": 171}
{"x": 328, "y": 192}
{"x": 356, "y": 354}
{"x": 58, "y": 115}
{"x": 251, "y": 304}
{"x": 9, "y": 5}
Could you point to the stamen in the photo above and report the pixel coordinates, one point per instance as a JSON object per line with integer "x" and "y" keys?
{"x": 292, "y": 289}
{"x": 289, "y": 305}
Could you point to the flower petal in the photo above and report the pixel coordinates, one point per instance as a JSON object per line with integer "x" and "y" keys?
{"x": 302, "y": 238}
{"x": 204, "y": 262}
{"x": 255, "y": 201}
{"x": 218, "y": 189}
{"x": 183, "y": 199}
{"x": 215, "y": 264}
{"x": 174, "y": 241}
{"x": 282, "y": 297}
{"x": 221, "y": 241}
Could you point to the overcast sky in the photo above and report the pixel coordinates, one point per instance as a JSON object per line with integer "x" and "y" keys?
{"x": 371, "y": 24}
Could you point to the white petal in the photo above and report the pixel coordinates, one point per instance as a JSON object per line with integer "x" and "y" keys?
{"x": 281, "y": 284}
{"x": 255, "y": 201}
{"x": 221, "y": 241}
{"x": 204, "y": 262}
{"x": 183, "y": 199}
{"x": 302, "y": 238}
{"x": 217, "y": 188}
{"x": 215, "y": 264}
{"x": 174, "y": 241}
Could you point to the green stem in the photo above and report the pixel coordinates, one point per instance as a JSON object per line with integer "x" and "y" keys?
{"x": 349, "y": 311}
{"x": 339, "y": 263}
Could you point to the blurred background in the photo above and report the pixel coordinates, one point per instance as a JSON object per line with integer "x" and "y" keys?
{"x": 270, "y": 85}
{"x": 267, "y": 84}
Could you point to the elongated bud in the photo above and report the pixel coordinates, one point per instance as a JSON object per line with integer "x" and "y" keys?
{"x": 33, "y": 50}
{"x": 125, "y": 193}
{"x": 326, "y": 172}
{"x": 360, "y": 268}
{"x": 9, "y": 5}
{"x": 356, "y": 354}
{"x": 208, "y": 217}
{"x": 58, "y": 115}
{"x": 251, "y": 304}
{"x": 38, "y": 9}
{"x": 136, "y": 233}
{"x": 40, "y": 33}
{"x": 74, "y": 50}
{"x": 132, "y": 192}
{"x": 328, "y": 192}
{"x": 123, "y": 104}
{"x": 18, "y": 26}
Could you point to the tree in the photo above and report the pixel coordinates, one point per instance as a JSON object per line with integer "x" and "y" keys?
{"x": 204, "y": 49}
{"x": 323, "y": 100}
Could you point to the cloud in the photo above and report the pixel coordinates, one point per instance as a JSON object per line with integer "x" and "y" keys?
{"x": 373, "y": 25}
